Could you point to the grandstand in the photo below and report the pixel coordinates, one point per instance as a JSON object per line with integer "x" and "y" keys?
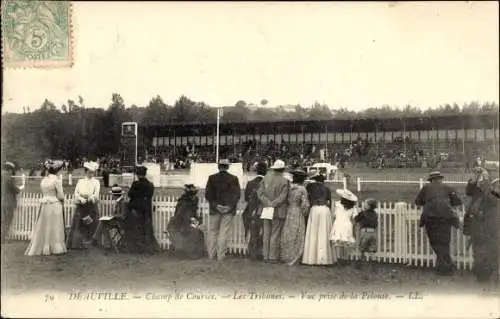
{"x": 459, "y": 137}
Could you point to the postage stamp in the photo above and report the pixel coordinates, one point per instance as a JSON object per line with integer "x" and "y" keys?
{"x": 37, "y": 34}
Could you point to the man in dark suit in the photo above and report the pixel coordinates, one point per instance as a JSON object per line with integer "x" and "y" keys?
{"x": 273, "y": 192}
{"x": 251, "y": 214}
{"x": 438, "y": 216}
{"x": 222, "y": 193}
{"x": 139, "y": 222}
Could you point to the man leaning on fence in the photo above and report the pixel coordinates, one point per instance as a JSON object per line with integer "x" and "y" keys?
{"x": 222, "y": 193}
{"x": 438, "y": 216}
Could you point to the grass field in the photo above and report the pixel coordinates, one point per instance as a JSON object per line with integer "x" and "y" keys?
{"x": 94, "y": 270}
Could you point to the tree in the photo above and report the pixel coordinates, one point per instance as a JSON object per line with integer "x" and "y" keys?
{"x": 264, "y": 102}
{"x": 157, "y": 112}
{"x": 48, "y": 106}
{"x": 320, "y": 112}
{"x": 263, "y": 115}
{"x": 301, "y": 113}
{"x": 184, "y": 110}
{"x": 111, "y": 125}
{"x": 238, "y": 113}
{"x": 240, "y": 103}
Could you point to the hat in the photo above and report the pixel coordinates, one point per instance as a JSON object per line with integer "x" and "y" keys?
{"x": 346, "y": 194}
{"x": 298, "y": 172}
{"x": 91, "y": 166}
{"x": 50, "y": 164}
{"x": 278, "y": 164}
{"x": 9, "y": 165}
{"x": 190, "y": 188}
{"x": 318, "y": 178}
{"x": 435, "y": 175}
{"x": 224, "y": 162}
{"x": 116, "y": 190}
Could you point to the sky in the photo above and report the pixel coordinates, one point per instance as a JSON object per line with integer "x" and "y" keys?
{"x": 353, "y": 55}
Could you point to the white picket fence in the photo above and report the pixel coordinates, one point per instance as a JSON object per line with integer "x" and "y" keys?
{"x": 400, "y": 239}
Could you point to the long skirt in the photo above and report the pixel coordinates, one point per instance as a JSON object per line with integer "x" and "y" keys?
{"x": 48, "y": 235}
{"x": 81, "y": 234}
{"x": 139, "y": 233}
{"x": 110, "y": 234}
{"x": 189, "y": 243}
{"x": 293, "y": 236}
{"x": 317, "y": 248}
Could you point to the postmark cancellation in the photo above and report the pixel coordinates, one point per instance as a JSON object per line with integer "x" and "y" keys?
{"x": 37, "y": 34}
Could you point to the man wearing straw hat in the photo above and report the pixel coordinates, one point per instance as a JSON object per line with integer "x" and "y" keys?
{"x": 9, "y": 197}
{"x": 438, "y": 216}
{"x": 273, "y": 195}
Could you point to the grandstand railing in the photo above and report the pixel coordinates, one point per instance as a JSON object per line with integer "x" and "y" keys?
{"x": 178, "y": 180}
{"x": 400, "y": 239}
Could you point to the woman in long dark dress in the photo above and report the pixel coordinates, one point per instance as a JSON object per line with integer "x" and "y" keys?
{"x": 138, "y": 223}
{"x": 481, "y": 222}
{"x": 187, "y": 238}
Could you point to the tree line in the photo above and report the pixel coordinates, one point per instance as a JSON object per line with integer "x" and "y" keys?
{"x": 74, "y": 130}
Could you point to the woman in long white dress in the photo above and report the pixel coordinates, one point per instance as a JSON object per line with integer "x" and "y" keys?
{"x": 317, "y": 248}
{"x": 342, "y": 234}
{"x": 85, "y": 219}
{"x": 48, "y": 234}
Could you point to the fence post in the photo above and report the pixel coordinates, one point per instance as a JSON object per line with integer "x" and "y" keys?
{"x": 23, "y": 179}
{"x": 70, "y": 180}
{"x": 344, "y": 181}
{"x": 359, "y": 184}
{"x": 421, "y": 182}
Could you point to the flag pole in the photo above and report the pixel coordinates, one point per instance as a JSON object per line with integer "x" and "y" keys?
{"x": 217, "y": 138}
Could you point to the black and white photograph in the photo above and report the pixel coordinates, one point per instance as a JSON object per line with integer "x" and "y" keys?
{"x": 250, "y": 159}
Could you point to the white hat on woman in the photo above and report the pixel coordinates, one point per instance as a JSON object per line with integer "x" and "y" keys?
{"x": 53, "y": 164}
{"x": 347, "y": 194}
{"x": 91, "y": 166}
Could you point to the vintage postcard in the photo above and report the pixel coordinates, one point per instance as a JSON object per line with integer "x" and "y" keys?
{"x": 250, "y": 159}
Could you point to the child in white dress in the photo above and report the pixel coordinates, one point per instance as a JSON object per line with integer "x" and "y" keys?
{"x": 342, "y": 234}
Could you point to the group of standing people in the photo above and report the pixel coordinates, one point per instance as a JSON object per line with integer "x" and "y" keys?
{"x": 129, "y": 229}
{"x": 291, "y": 220}
{"x": 285, "y": 220}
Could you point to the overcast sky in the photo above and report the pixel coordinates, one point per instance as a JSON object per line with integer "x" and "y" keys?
{"x": 353, "y": 55}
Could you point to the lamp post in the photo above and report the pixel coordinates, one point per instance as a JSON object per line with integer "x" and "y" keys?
{"x": 217, "y": 137}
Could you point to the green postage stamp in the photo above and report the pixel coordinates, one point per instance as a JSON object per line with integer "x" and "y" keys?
{"x": 37, "y": 33}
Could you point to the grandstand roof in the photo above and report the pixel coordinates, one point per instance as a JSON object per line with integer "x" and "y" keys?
{"x": 335, "y": 125}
